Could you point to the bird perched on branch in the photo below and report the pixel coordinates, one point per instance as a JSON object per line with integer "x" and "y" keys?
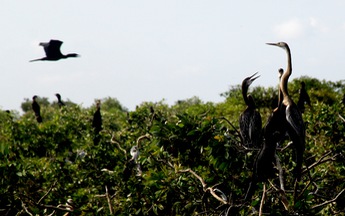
{"x": 303, "y": 98}
{"x": 36, "y": 108}
{"x": 53, "y": 53}
{"x": 273, "y": 132}
{"x": 294, "y": 121}
{"x": 97, "y": 122}
{"x": 250, "y": 119}
{"x": 60, "y": 103}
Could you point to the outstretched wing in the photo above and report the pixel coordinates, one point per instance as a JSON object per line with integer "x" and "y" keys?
{"x": 52, "y": 48}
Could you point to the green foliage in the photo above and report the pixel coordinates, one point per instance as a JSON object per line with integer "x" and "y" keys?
{"x": 186, "y": 151}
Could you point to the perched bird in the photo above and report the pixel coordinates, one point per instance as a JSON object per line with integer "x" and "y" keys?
{"x": 36, "y": 108}
{"x": 250, "y": 119}
{"x": 53, "y": 53}
{"x": 273, "y": 132}
{"x": 97, "y": 122}
{"x": 294, "y": 121}
{"x": 60, "y": 103}
{"x": 97, "y": 118}
{"x": 303, "y": 98}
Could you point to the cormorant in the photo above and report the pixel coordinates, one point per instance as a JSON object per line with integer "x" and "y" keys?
{"x": 53, "y": 53}
{"x": 36, "y": 108}
{"x": 250, "y": 119}
{"x": 303, "y": 98}
{"x": 97, "y": 121}
{"x": 60, "y": 103}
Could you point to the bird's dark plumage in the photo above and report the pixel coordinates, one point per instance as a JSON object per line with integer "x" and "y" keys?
{"x": 250, "y": 120}
{"x": 60, "y": 103}
{"x": 36, "y": 108}
{"x": 293, "y": 117}
{"x": 303, "y": 98}
{"x": 97, "y": 118}
{"x": 53, "y": 53}
{"x": 97, "y": 122}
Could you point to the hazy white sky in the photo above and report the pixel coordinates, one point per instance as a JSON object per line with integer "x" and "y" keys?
{"x": 151, "y": 50}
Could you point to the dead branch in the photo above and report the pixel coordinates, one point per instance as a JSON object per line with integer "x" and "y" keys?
{"x": 109, "y": 201}
{"x": 146, "y": 136}
{"x": 328, "y": 201}
{"x": 46, "y": 194}
{"x": 210, "y": 189}
{"x": 112, "y": 140}
{"x": 262, "y": 200}
{"x": 321, "y": 160}
{"x": 342, "y": 118}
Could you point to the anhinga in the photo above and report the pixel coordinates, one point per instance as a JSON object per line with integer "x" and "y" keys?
{"x": 303, "y": 98}
{"x": 97, "y": 118}
{"x": 250, "y": 119}
{"x": 60, "y": 103}
{"x": 53, "y": 53}
{"x": 295, "y": 125}
{"x": 36, "y": 108}
{"x": 273, "y": 132}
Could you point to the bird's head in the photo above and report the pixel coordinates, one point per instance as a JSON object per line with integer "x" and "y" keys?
{"x": 58, "y": 95}
{"x": 282, "y": 45}
{"x": 34, "y": 97}
{"x": 249, "y": 80}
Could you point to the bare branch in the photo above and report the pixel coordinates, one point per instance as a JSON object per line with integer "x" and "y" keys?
{"x": 329, "y": 201}
{"x": 24, "y": 207}
{"x": 146, "y": 136}
{"x": 46, "y": 194}
{"x": 109, "y": 201}
{"x": 112, "y": 140}
{"x": 321, "y": 160}
{"x": 262, "y": 200}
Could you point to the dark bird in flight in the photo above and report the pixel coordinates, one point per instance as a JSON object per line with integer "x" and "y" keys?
{"x": 36, "y": 108}
{"x": 250, "y": 119}
{"x": 303, "y": 98}
{"x": 293, "y": 116}
{"x": 53, "y": 53}
{"x": 60, "y": 103}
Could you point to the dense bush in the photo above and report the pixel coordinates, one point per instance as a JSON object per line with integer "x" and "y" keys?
{"x": 191, "y": 160}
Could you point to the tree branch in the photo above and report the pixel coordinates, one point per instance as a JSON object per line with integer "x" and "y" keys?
{"x": 328, "y": 201}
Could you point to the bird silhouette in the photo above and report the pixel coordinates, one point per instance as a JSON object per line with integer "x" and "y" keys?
{"x": 60, "y": 103}
{"x": 303, "y": 98}
{"x": 295, "y": 125}
{"x": 53, "y": 53}
{"x": 36, "y": 108}
{"x": 250, "y": 120}
{"x": 97, "y": 122}
{"x": 273, "y": 132}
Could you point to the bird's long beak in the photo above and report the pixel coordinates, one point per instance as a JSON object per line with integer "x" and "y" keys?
{"x": 252, "y": 78}
{"x": 273, "y": 44}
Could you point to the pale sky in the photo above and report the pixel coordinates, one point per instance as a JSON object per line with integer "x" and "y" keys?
{"x": 152, "y": 50}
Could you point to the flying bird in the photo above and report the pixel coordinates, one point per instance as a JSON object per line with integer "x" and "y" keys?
{"x": 36, "y": 108}
{"x": 293, "y": 116}
{"x": 250, "y": 120}
{"x": 60, "y": 103}
{"x": 53, "y": 53}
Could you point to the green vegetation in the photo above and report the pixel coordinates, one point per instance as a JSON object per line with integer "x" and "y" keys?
{"x": 189, "y": 152}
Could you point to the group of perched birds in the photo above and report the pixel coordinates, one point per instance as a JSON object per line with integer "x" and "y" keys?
{"x": 286, "y": 118}
{"x": 96, "y": 120}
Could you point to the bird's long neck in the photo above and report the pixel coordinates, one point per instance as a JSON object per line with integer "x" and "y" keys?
{"x": 285, "y": 77}
{"x": 244, "y": 93}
